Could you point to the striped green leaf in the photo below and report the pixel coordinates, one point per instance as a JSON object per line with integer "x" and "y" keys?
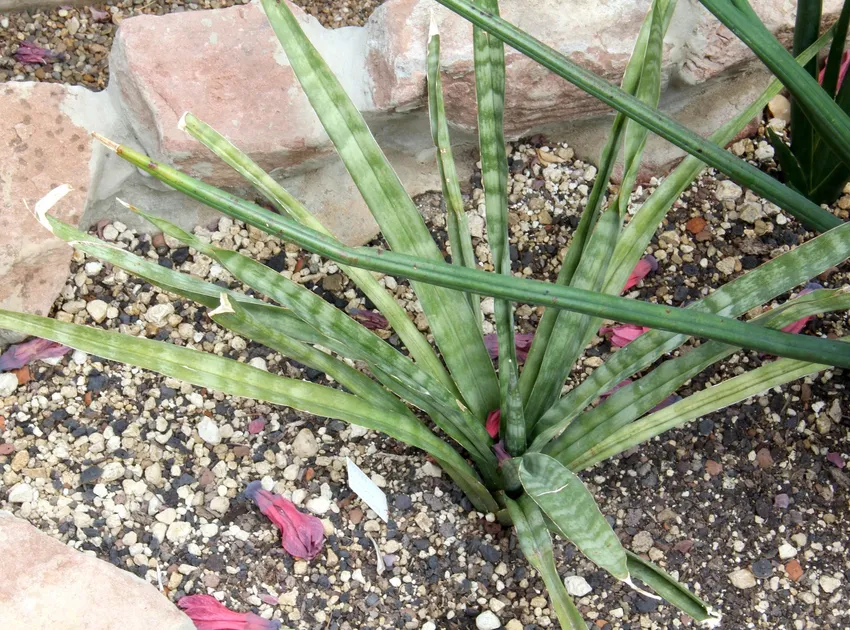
{"x": 457, "y": 223}
{"x": 564, "y": 499}
{"x": 415, "y": 342}
{"x": 536, "y": 546}
{"x": 236, "y": 379}
{"x": 404, "y": 377}
{"x": 697, "y": 405}
{"x": 809, "y": 213}
{"x": 733, "y": 299}
{"x": 452, "y": 321}
{"x": 671, "y": 590}
{"x": 489, "y": 57}
{"x": 635, "y": 399}
{"x": 645, "y": 60}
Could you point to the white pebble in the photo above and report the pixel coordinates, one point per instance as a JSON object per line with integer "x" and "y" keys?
{"x": 209, "y": 431}
{"x": 577, "y": 586}
{"x": 487, "y": 621}
{"x": 8, "y": 384}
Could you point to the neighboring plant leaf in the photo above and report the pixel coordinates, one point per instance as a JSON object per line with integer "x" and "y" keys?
{"x": 794, "y": 175}
{"x": 572, "y": 509}
{"x": 536, "y": 546}
{"x": 452, "y": 321}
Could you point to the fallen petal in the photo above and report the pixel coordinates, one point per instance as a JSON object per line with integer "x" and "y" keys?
{"x": 370, "y": 319}
{"x": 500, "y": 451}
{"x": 835, "y": 459}
{"x": 23, "y": 353}
{"x": 845, "y": 62}
{"x": 623, "y": 334}
{"x": 302, "y": 534}
{"x": 642, "y": 268}
{"x": 207, "y": 613}
{"x": 522, "y": 341}
{"x": 256, "y": 426}
{"x": 99, "y": 16}
{"x": 619, "y": 385}
{"x": 29, "y": 52}
{"x": 494, "y": 418}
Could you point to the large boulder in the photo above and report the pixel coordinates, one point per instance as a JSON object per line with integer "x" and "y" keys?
{"x": 42, "y": 144}
{"x": 47, "y": 585}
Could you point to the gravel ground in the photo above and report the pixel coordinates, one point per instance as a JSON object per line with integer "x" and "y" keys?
{"x": 78, "y": 39}
{"x": 147, "y": 472}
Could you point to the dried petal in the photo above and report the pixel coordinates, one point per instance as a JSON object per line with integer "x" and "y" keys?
{"x": 494, "y": 418}
{"x": 208, "y": 614}
{"x": 845, "y": 62}
{"x": 370, "y": 319}
{"x": 29, "y": 52}
{"x": 256, "y": 426}
{"x": 835, "y": 459}
{"x": 642, "y": 268}
{"x": 522, "y": 341}
{"x": 99, "y": 16}
{"x": 501, "y": 452}
{"x": 623, "y": 334}
{"x": 302, "y": 534}
{"x": 20, "y": 354}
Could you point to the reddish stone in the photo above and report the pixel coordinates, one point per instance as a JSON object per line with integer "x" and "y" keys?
{"x": 764, "y": 459}
{"x": 794, "y": 570}
{"x": 713, "y": 468}
{"x": 695, "y": 225}
{"x": 355, "y": 515}
{"x": 7, "y": 449}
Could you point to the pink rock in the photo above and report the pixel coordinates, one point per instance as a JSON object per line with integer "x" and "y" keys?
{"x": 48, "y": 585}
{"x": 41, "y": 146}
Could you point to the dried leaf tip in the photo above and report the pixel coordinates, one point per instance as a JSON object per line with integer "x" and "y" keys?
{"x": 109, "y": 144}
{"x": 433, "y": 29}
{"x": 47, "y": 202}
{"x": 129, "y": 206}
{"x": 714, "y": 621}
{"x": 643, "y": 592}
{"x": 224, "y": 306}
{"x": 181, "y": 124}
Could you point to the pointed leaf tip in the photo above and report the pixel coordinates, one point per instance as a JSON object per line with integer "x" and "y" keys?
{"x": 43, "y": 205}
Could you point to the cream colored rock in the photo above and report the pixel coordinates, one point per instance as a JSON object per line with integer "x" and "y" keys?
{"x": 47, "y": 585}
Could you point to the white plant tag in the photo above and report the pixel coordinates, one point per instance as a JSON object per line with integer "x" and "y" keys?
{"x": 366, "y": 489}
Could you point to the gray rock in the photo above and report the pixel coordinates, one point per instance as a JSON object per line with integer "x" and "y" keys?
{"x": 305, "y": 444}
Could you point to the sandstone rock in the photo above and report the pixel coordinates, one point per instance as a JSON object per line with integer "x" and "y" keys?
{"x": 41, "y": 146}
{"x": 46, "y": 583}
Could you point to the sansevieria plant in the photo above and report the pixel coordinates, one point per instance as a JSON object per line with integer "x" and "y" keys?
{"x": 523, "y": 463}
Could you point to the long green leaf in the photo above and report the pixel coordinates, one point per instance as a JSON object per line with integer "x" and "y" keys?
{"x": 826, "y": 117}
{"x": 415, "y": 342}
{"x": 573, "y": 254}
{"x": 457, "y": 223}
{"x": 536, "y": 546}
{"x": 809, "y": 213}
{"x": 733, "y": 299}
{"x": 564, "y": 499}
{"x": 489, "y": 57}
{"x": 806, "y": 28}
{"x": 687, "y": 321}
{"x": 234, "y": 378}
{"x": 697, "y": 405}
{"x": 635, "y": 399}
{"x": 452, "y": 321}
{"x": 671, "y": 590}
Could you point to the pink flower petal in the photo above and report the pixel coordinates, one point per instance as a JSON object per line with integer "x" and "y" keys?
{"x": 302, "y": 534}
{"x": 835, "y": 459}
{"x": 21, "y": 354}
{"x": 845, "y": 63}
{"x": 256, "y": 426}
{"x": 494, "y": 418}
{"x": 501, "y": 452}
{"x": 642, "y": 268}
{"x": 522, "y": 341}
{"x": 29, "y": 52}
{"x": 98, "y": 15}
{"x": 208, "y": 614}
{"x": 623, "y": 334}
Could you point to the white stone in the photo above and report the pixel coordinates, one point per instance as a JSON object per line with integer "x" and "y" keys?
{"x": 153, "y": 474}
{"x": 8, "y": 384}
{"x": 21, "y": 493}
{"x": 178, "y": 531}
{"x": 742, "y": 579}
{"x": 112, "y": 472}
{"x": 319, "y": 505}
{"x": 487, "y": 621}
{"x": 167, "y": 516}
{"x": 727, "y": 190}
{"x": 158, "y": 314}
{"x": 97, "y": 309}
{"x": 577, "y": 586}
{"x": 305, "y": 444}
{"x": 219, "y": 505}
{"x": 209, "y": 431}
{"x": 829, "y": 583}
{"x": 786, "y": 551}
